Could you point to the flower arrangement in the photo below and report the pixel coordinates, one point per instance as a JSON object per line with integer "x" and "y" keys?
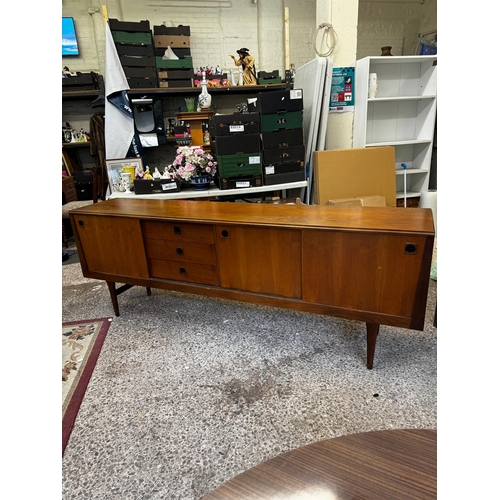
{"x": 193, "y": 162}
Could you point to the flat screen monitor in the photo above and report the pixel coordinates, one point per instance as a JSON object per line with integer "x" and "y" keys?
{"x": 69, "y": 41}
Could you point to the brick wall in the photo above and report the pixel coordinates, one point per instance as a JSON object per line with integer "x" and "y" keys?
{"x": 396, "y": 24}
{"x": 219, "y": 31}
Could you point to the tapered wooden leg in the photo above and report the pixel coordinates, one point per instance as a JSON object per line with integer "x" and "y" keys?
{"x": 114, "y": 296}
{"x": 371, "y": 339}
{"x": 148, "y": 290}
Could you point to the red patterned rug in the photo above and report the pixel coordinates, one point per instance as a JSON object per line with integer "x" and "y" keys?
{"x": 81, "y": 345}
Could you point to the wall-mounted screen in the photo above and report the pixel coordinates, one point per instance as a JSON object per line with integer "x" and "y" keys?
{"x": 69, "y": 41}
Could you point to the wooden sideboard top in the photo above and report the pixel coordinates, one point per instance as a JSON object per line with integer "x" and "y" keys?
{"x": 418, "y": 220}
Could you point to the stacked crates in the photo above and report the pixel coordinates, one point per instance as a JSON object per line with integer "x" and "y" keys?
{"x": 235, "y": 142}
{"x": 134, "y": 44}
{"x": 173, "y": 72}
{"x": 282, "y": 136}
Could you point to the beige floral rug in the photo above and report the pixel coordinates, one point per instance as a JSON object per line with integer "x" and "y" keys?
{"x": 81, "y": 345}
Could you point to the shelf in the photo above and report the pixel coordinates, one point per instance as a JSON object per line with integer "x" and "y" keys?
{"x": 212, "y": 192}
{"x": 81, "y": 94}
{"x": 398, "y": 143}
{"x": 402, "y": 98}
{"x": 245, "y": 89}
{"x": 72, "y": 145}
{"x": 409, "y": 194}
{"x": 411, "y": 171}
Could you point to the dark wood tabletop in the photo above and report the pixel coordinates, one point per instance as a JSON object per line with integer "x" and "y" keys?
{"x": 387, "y": 465}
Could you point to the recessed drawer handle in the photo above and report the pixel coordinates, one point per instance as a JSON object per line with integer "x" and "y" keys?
{"x": 225, "y": 233}
{"x": 177, "y": 230}
{"x": 411, "y": 248}
{"x": 182, "y": 270}
{"x": 179, "y": 251}
{"x": 81, "y": 223}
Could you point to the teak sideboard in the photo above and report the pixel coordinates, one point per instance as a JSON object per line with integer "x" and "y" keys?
{"x": 370, "y": 264}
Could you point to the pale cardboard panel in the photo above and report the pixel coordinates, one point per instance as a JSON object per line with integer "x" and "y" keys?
{"x": 354, "y": 173}
{"x": 362, "y": 201}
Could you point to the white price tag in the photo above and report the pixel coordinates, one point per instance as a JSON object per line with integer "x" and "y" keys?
{"x": 169, "y": 186}
{"x": 241, "y": 184}
{"x": 270, "y": 169}
{"x": 296, "y": 94}
{"x": 236, "y": 128}
{"x": 254, "y": 160}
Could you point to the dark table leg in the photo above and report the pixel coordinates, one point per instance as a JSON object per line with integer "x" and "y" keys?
{"x": 114, "y": 296}
{"x": 371, "y": 339}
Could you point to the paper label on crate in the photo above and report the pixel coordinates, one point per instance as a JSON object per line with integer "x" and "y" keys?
{"x": 296, "y": 94}
{"x": 242, "y": 184}
{"x": 254, "y": 160}
{"x": 270, "y": 169}
{"x": 236, "y": 128}
{"x": 170, "y": 185}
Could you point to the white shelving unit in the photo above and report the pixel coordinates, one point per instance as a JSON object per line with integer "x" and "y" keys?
{"x": 403, "y": 114}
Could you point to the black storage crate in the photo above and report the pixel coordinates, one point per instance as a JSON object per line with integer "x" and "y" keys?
{"x": 237, "y": 123}
{"x": 140, "y": 71}
{"x": 145, "y": 186}
{"x": 171, "y": 30}
{"x": 243, "y": 181}
{"x": 283, "y": 168}
{"x": 282, "y": 138}
{"x": 234, "y": 144}
{"x": 280, "y": 155}
{"x": 131, "y": 50}
{"x": 142, "y": 83}
{"x": 141, "y": 26}
{"x": 280, "y": 101}
{"x": 271, "y": 180}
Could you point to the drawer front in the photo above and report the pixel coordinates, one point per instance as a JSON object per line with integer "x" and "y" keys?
{"x": 180, "y": 271}
{"x": 172, "y": 231}
{"x": 180, "y": 251}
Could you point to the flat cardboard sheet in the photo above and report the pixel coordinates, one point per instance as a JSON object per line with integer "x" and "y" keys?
{"x": 354, "y": 173}
{"x": 361, "y": 201}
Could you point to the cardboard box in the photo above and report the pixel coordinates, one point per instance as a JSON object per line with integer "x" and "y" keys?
{"x": 177, "y": 41}
{"x": 361, "y": 201}
{"x": 354, "y": 173}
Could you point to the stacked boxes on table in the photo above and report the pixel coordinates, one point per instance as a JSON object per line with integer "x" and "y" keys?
{"x": 173, "y": 72}
{"x": 134, "y": 44}
{"x": 235, "y": 142}
{"x": 282, "y": 136}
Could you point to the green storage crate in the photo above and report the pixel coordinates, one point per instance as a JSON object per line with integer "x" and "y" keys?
{"x": 186, "y": 63}
{"x": 239, "y": 164}
{"x": 269, "y": 81}
{"x": 281, "y": 121}
{"x": 128, "y": 37}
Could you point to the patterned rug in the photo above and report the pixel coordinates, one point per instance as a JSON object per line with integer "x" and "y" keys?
{"x": 81, "y": 345}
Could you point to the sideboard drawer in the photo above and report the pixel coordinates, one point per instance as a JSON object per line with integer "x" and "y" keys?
{"x": 181, "y": 251}
{"x": 201, "y": 233}
{"x": 184, "y": 271}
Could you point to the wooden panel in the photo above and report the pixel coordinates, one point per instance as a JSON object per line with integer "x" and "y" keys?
{"x": 367, "y": 272}
{"x": 112, "y": 245}
{"x": 176, "y": 231}
{"x": 261, "y": 260}
{"x": 193, "y": 273}
{"x": 418, "y": 220}
{"x": 181, "y": 251}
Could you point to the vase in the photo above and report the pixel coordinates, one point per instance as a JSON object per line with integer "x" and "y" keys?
{"x": 200, "y": 183}
{"x": 386, "y": 50}
{"x": 204, "y": 99}
{"x": 189, "y": 104}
